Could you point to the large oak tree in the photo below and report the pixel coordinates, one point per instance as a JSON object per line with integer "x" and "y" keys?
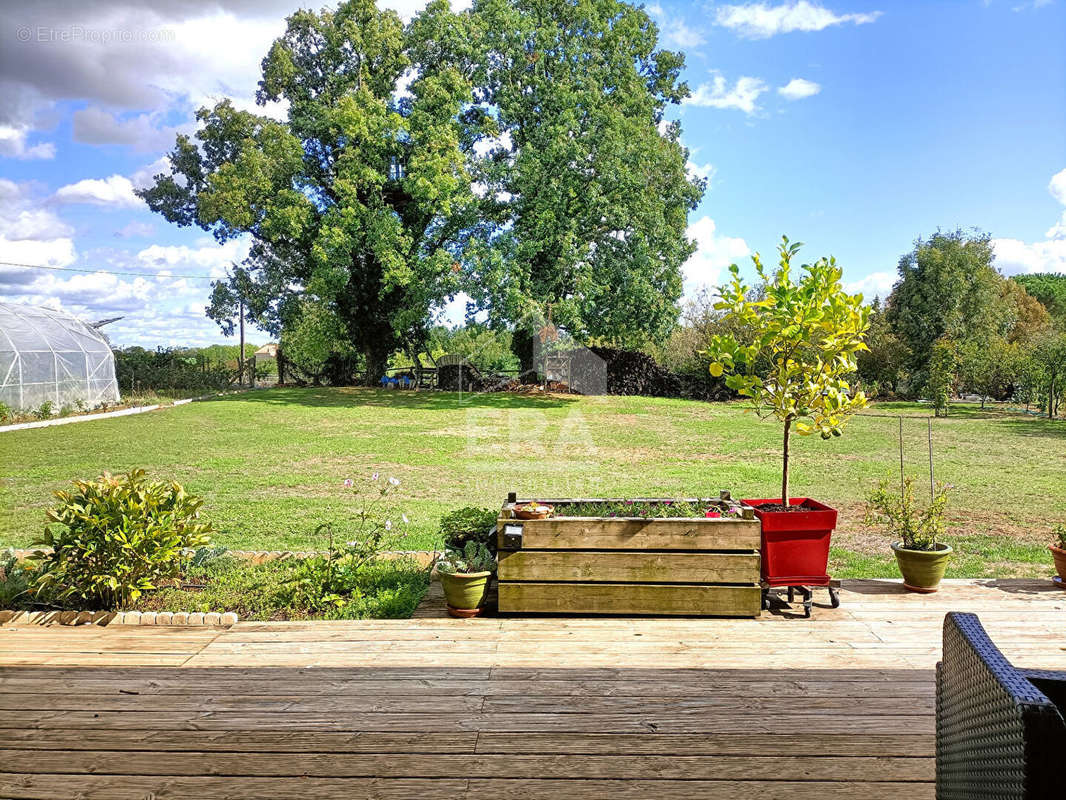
{"x": 527, "y": 162}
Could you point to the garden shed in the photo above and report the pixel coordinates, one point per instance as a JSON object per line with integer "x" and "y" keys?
{"x": 48, "y": 356}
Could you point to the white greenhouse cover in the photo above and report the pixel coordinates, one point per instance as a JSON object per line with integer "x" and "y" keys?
{"x": 49, "y": 356}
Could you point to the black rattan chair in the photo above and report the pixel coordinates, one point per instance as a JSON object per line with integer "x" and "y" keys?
{"x": 999, "y": 729}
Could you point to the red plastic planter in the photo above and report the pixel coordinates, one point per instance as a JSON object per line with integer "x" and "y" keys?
{"x": 795, "y": 544}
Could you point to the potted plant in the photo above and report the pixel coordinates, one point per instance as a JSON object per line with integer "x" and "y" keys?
{"x": 921, "y": 557}
{"x": 469, "y": 559}
{"x": 464, "y": 576}
{"x": 533, "y": 510}
{"x": 1058, "y": 552}
{"x": 792, "y": 357}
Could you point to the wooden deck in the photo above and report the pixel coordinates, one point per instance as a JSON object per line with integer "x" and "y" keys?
{"x": 839, "y": 706}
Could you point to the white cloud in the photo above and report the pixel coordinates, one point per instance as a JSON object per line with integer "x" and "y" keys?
{"x": 216, "y": 259}
{"x": 13, "y": 144}
{"x": 135, "y": 230}
{"x": 142, "y": 132}
{"x": 677, "y": 34}
{"x": 1058, "y": 230}
{"x": 760, "y": 20}
{"x": 714, "y": 253}
{"x": 1057, "y": 186}
{"x": 744, "y": 96}
{"x": 706, "y": 171}
{"x": 30, "y": 233}
{"x": 876, "y": 284}
{"x": 799, "y": 88}
{"x": 117, "y": 190}
{"x": 1014, "y": 257}
{"x": 144, "y": 177}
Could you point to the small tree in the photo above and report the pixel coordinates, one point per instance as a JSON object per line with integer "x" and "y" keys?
{"x": 805, "y": 334}
{"x": 942, "y": 374}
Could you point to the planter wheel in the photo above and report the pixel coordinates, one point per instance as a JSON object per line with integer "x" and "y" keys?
{"x": 834, "y": 597}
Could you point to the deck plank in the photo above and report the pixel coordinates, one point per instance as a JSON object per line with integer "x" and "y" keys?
{"x": 838, "y": 706}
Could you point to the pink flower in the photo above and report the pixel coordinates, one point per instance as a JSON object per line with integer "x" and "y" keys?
{"x": 348, "y": 483}
{"x": 713, "y": 514}
{"x": 375, "y": 476}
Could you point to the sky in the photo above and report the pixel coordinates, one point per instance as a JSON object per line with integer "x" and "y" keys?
{"x": 852, "y": 126}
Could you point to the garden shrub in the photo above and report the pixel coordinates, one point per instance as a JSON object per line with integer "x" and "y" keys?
{"x": 469, "y": 524}
{"x": 16, "y": 580}
{"x": 115, "y": 537}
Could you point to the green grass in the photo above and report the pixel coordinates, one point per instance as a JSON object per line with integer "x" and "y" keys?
{"x": 269, "y": 464}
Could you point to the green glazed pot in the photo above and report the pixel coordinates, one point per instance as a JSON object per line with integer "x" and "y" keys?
{"x": 922, "y": 569}
{"x": 465, "y": 592}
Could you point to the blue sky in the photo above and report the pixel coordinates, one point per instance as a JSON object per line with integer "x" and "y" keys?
{"x": 852, "y": 126}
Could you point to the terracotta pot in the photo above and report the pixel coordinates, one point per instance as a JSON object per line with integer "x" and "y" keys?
{"x": 922, "y": 569}
{"x": 525, "y": 511}
{"x": 1059, "y": 554}
{"x": 795, "y": 544}
{"x": 464, "y": 592}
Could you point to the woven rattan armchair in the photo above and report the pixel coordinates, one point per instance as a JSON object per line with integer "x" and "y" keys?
{"x": 999, "y": 729}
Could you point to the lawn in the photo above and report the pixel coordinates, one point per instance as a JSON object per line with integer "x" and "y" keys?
{"x": 270, "y": 464}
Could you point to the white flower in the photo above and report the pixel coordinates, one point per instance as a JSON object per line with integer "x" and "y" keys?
{"x": 353, "y": 544}
{"x": 394, "y": 481}
{"x": 404, "y": 518}
{"x": 388, "y": 524}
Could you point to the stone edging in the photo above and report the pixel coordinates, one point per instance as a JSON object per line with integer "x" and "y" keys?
{"x": 180, "y": 618}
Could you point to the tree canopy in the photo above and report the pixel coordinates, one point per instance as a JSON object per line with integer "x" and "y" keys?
{"x": 517, "y": 150}
{"x": 586, "y": 182}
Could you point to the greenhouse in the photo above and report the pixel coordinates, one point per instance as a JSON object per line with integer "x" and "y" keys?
{"x": 48, "y": 356}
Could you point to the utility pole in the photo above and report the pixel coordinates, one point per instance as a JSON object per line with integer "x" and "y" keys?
{"x": 240, "y": 357}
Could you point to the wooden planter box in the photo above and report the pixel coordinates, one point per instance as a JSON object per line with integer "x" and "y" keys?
{"x": 628, "y": 565}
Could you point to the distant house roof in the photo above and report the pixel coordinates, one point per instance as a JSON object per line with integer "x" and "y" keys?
{"x": 267, "y": 351}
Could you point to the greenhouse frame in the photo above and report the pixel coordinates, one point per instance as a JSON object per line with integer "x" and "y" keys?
{"x": 48, "y": 356}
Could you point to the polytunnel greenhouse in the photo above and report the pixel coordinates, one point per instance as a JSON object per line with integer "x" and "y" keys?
{"x": 47, "y": 356}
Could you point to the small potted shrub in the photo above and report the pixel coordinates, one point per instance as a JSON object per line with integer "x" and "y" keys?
{"x": 464, "y": 576}
{"x": 921, "y": 557}
{"x": 793, "y": 356}
{"x": 1058, "y": 552}
{"x": 469, "y": 559}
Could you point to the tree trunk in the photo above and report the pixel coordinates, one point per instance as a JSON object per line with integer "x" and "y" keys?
{"x": 377, "y": 360}
{"x": 784, "y": 465}
{"x": 522, "y": 347}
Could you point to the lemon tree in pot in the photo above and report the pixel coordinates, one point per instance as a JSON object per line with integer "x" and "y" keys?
{"x": 792, "y": 355}
{"x": 916, "y": 531}
{"x": 469, "y": 559}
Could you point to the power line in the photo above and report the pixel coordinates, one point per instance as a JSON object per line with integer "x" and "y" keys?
{"x": 108, "y": 272}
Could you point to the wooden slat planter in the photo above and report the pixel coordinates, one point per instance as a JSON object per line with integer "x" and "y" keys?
{"x": 613, "y": 565}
